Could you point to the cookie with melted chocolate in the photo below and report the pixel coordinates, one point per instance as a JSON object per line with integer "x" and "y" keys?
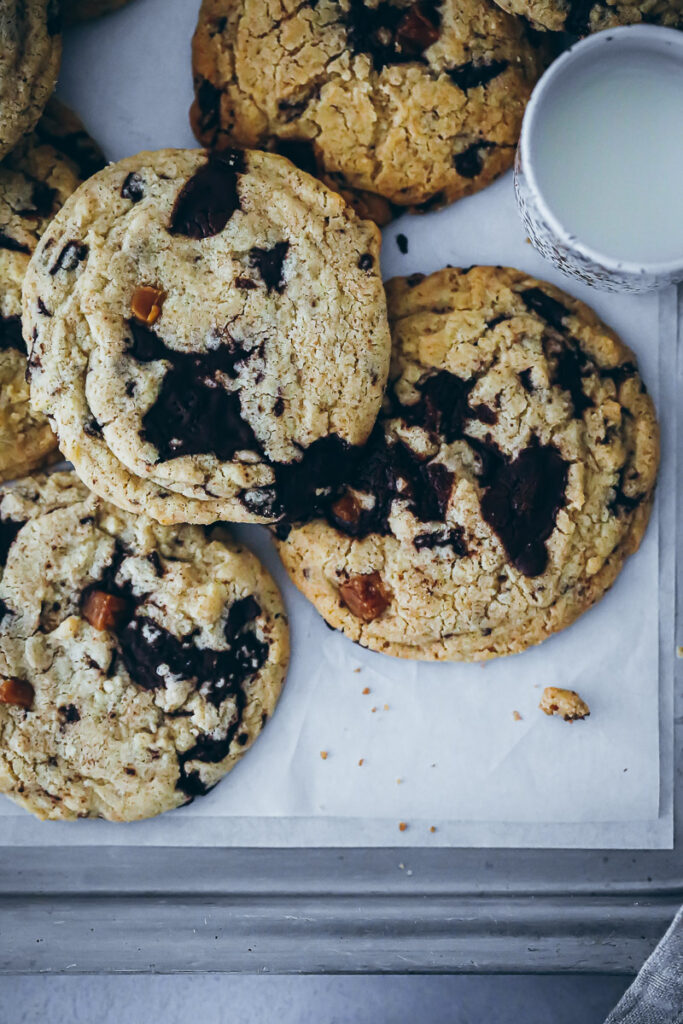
{"x": 217, "y": 342}
{"x": 141, "y": 669}
{"x": 395, "y": 104}
{"x": 510, "y": 474}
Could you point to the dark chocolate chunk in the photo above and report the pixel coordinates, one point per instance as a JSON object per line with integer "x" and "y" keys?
{"x": 365, "y": 262}
{"x": 392, "y": 34}
{"x": 42, "y": 308}
{"x": 521, "y": 499}
{"x": 92, "y": 428}
{"x": 525, "y": 378}
{"x": 133, "y": 187}
{"x": 568, "y": 365}
{"x": 453, "y": 538}
{"x": 278, "y": 406}
{"x": 300, "y": 152}
{"x": 208, "y": 200}
{"x": 70, "y": 713}
{"x": 71, "y": 255}
{"x": 11, "y": 244}
{"x": 443, "y": 406}
{"x": 209, "y": 102}
{"x": 496, "y": 319}
{"x": 470, "y": 75}
{"x": 484, "y": 414}
{"x": 470, "y": 161}
{"x": 550, "y": 309}
{"x": 240, "y": 614}
{"x": 9, "y": 529}
{"x": 10, "y": 334}
{"x": 303, "y": 487}
{"x": 245, "y": 284}
{"x": 269, "y": 263}
{"x": 402, "y": 243}
{"x": 146, "y": 647}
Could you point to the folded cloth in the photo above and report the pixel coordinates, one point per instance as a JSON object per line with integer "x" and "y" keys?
{"x": 656, "y": 996}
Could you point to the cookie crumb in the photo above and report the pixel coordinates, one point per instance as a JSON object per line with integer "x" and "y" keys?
{"x": 567, "y": 703}
{"x": 679, "y": 652}
{"x": 517, "y": 717}
{"x": 361, "y": 762}
{"x": 323, "y": 754}
{"x": 402, "y": 243}
{"x": 386, "y": 707}
{"x": 432, "y": 828}
{"x": 373, "y": 710}
{"x": 402, "y": 826}
{"x": 399, "y": 781}
{"x": 356, "y": 670}
{"x": 366, "y": 690}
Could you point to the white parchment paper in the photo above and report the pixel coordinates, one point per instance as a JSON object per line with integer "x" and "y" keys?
{"x": 440, "y": 744}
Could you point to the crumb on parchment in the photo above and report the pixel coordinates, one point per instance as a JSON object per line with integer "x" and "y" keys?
{"x": 517, "y": 717}
{"x": 567, "y": 703}
{"x": 365, "y": 691}
{"x": 323, "y": 754}
{"x": 402, "y": 826}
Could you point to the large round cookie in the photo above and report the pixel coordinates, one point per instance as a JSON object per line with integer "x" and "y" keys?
{"x": 510, "y": 475}
{"x": 411, "y": 104}
{"x": 583, "y": 16}
{"x": 35, "y": 179}
{"x": 209, "y": 335}
{"x": 83, "y": 10}
{"x": 30, "y": 52}
{"x": 138, "y": 663}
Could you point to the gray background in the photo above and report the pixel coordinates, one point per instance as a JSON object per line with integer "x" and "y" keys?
{"x": 217, "y": 999}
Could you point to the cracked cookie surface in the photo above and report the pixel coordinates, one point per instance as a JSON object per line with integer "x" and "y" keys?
{"x": 392, "y": 103}
{"x": 209, "y": 335}
{"x": 30, "y": 54}
{"x": 580, "y": 17}
{"x": 138, "y": 663}
{"x": 35, "y": 179}
{"x": 510, "y": 474}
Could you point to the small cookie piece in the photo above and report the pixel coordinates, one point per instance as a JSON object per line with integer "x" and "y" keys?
{"x": 580, "y": 17}
{"x": 138, "y": 663}
{"x": 35, "y": 179}
{"x": 83, "y": 10}
{"x": 567, "y": 703}
{"x": 510, "y": 475}
{"x": 394, "y": 104}
{"x": 217, "y": 342}
{"x": 30, "y": 54}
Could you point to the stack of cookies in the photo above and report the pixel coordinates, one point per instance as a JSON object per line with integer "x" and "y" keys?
{"x": 453, "y": 467}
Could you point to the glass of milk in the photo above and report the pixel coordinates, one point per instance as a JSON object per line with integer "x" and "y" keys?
{"x": 599, "y": 169}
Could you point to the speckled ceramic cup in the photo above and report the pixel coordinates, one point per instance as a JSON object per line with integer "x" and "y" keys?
{"x": 545, "y": 229}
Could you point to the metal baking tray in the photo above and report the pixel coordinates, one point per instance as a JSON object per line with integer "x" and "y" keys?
{"x": 158, "y": 909}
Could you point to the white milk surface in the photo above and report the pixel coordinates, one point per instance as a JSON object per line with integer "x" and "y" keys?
{"x": 609, "y": 156}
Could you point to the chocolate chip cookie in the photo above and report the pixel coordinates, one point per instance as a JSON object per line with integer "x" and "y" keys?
{"x": 395, "y": 104}
{"x": 580, "y": 17}
{"x": 138, "y": 663}
{"x": 209, "y": 335}
{"x": 510, "y": 475}
{"x": 35, "y": 179}
{"x": 30, "y": 53}
{"x": 83, "y": 10}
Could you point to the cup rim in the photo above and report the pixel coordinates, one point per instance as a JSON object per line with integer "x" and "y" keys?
{"x": 647, "y": 33}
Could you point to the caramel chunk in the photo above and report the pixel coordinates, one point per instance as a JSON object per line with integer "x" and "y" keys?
{"x": 416, "y": 31}
{"x": 566, "y": 703}
{"x": 146, "y": 304}
{"x": 346, "y": 509}
{"x": 104, "y": 611}
{"x": 365, "y": 596}
{"x": 16, "y": 691}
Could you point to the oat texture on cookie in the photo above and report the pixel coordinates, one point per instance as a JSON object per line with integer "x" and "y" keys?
{"x": 510, "y": 474}
{"x": 35, "y": 179}
{"x": 394, "y": 103}
{"x": 138, "y": 663}
{"x": 208, "y": 335}
{"x": 580, "y": 17}
{"x": 30, "y": 54}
